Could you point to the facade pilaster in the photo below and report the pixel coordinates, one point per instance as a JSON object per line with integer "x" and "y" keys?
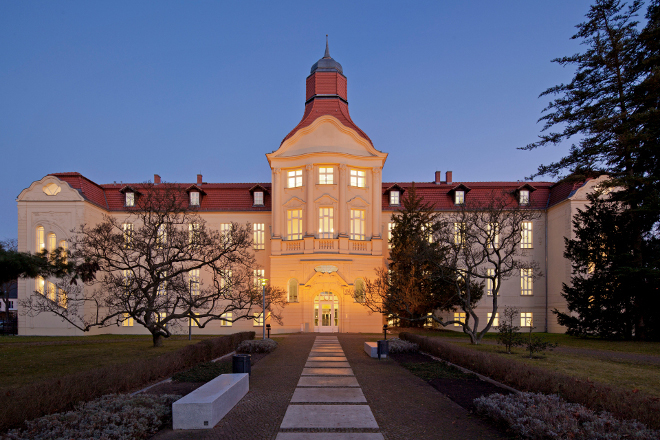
{"x": 309, "y": 217}
{"x": 376, "y": 202}
{"x": 341, "y": 211}
{"x": 276, "y": 202}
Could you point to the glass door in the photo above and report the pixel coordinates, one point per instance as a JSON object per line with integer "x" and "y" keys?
{"x": 326, "y": 313}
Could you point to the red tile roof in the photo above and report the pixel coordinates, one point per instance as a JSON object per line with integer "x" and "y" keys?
{"x": 563, "y": 190}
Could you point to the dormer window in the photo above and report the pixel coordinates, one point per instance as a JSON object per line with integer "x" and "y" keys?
{"x": 394, "y": 197}
{"x": 459, "y": 197}
{"x": 194, "y": 198}
{"x": 259, "y": 198}
{"x": 130, "y": 199}
{"x": 523, "y": 197}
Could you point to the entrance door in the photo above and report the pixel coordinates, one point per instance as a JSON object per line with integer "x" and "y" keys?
{"x": 326, "y": 310}
{"x": 326, "y": 313}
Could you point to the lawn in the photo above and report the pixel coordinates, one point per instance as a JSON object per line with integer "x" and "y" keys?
{"x": 27, "y": 359}
{"x": 617, "y": 370}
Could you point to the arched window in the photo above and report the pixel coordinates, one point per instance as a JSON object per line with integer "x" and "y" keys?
{"x": 41, "y": 239}
{"x": 64, "y": 248}
{"x": 52, "y": 242}
{"x": 358, "y": 286}
{"x": 293, "y": 290}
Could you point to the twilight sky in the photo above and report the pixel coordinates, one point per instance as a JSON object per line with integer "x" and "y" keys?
{"x": 120, "y": 90}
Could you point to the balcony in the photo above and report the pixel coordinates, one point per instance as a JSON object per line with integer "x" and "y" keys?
{"x": 311, "y": 245}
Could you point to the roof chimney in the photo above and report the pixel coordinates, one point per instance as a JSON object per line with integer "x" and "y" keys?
{"x": 199, "y": 179}
{"x": 448, "y": 177}
{"x": 156, "y": 178}
{"x": 438, "y": 177}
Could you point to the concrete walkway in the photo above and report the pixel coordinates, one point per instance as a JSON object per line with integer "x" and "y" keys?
{"x": 328, "y": 398}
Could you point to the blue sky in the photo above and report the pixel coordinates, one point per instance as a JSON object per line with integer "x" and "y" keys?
{"x": 119, "y": 91}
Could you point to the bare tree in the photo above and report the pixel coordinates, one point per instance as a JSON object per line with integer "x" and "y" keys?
{"x": 159, "y": 266}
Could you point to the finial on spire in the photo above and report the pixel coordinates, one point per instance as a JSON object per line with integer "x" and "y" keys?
{"x": 327, "y": 49}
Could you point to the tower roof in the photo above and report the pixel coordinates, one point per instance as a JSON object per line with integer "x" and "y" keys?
{"x": 327, "y": 63}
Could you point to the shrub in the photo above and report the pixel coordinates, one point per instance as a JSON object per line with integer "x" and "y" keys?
{"x": 204, "y": 372}
{"x": 508, "y": 333}
{"x": 396, "y": 345}
{"x": 109, "y": 417}
{"x": 539, "y": 416}
{"x": 256, "y": 346}
{"x": 622, "y": 403}
{"x": 61, "y": 394}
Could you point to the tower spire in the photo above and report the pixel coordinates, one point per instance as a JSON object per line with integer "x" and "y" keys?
{"x": 327, "y": 49}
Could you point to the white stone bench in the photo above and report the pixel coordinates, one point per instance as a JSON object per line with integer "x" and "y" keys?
{"x": 372, "y": 349}
{"x": 208, "y": 404}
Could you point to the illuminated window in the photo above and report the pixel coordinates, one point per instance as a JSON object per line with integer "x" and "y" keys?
{"x": 50, "y": 291}
{"x": 490, "y": 282}
{"x": 294, "y": 178}
{"x": 326, "y": 176}
{"x": 128, "y": 321}
{"x": 162, "y": 287}
{"x": 225, "y": 230}
{"x": 357, "y": 224}
{"x": 225, "y": 320}
{"x": 225, "y": 280}
{"x": 193, "y": 320}
{"x": 460, "y": 317}
{"x": 194, "y": 198}
{"x": 258, "y": 198}
{"x": 258, "y": 277}
{"x": 193, "y": 233}
{"x": 52, "y": 242}
{"x": 526, "y": 319}
{"x": 64, "y": 247}
{"x": 493, "y": 235}
{"x": 258, "y": 242}
{"x": 358, "y": 178}
{"x": 294, "y": 224}
{"x": 293, "y": 290}
{"x": 39, "y": 285}
{"x": 161, "y": 235}
{"x": 128, "y": 235}
{"x": 359, "y": 290}
{"x": 459, "y": 197}
{"x": 390, "y": 226}
{"x": 526, "y": 281}
{"x": 523, "y": 197}
{"x": 459, "y": 234}
{"x": 496, "y": 321}
{"x": 41, "y": 241}
{"x": 326, "y": 223}
{"x": 258, "y": 319}
{"x": 130, "y": 199}
{"x": 394, "y": 197}
{"x": 526, "y": 235}
{"x": 193, "y": 278}
{"x": 62, "y": 298}
{"x": 127, "y": 276}
{"x": 161, "y": 317}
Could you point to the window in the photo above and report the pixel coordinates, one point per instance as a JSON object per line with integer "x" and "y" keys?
{"x": 39, "y": 284}
{"x": 258, "y": 320}
{"x": 326, "y": 223}
{"x": 194, "y": 198}
{"x": 62, "y": 298}
{"x": 390, "y": 226}
{"x": 294, "y": 224}
{"x": 429, "y": 322}
{"x": 162, "y": 287}
{"x": 459, "y": 198}
{"x": 294, "y": 178}
{"x": 259, "y": 198}
{"x": 11, "y": 305}
{"x": 225, "y": 230}
{"x": 193, "y": 320}
{"x": 493, "y": 235}
{"x": 358, "y": 285}
{"x": 193, "y": 279}
{"x": 326, "y": 176}
{"x": 259, "y": 236}
{"x": 193, "y": 233}
{"x": 526, "y": 233}
{"x": 357, "y": 224}
{"x": 128, "y": 321}
{"x": 358, "y": 178}
{"x": 259, "y": 277}
{"x": 394, "y": 197}
{"x": 52, "y": 242}
{"x": 161, "y": 236}
{"x": 64, "y": 248}
{"x": 50, "y": 291}
{"x": 293, "y": 290}
{"x": 128, "y": 235}
{"x": 526, "y": 282}
{"x": 490, "y": 282}
{"x": 496, "y": 321}
{"x": 130, "y": 199}
{"x": 225, "y": 280}
{"x": 127, "y": 275}
{"x": 161, "y": 316}
{"x": 41, "y": 242}
{"x": 460, "y": 317}
{"x": 225, "y": 319}
{"x": 523, "y": 197}
{"x": 526, "y": 319}
{"x": 459, "y": 234}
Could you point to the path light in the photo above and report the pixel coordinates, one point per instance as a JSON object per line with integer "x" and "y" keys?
{"x": 385, "y": 332}
{"x": 268, "y": 328}
{"x": 383, "y": 348}
{"x": 264, "y": 281}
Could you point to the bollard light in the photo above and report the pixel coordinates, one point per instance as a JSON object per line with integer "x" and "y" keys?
{"x": 385, "y": 332}
{"x": 268, "y": 328}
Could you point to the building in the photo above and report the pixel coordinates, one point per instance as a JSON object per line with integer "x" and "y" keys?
{"x": 320, "y": 226}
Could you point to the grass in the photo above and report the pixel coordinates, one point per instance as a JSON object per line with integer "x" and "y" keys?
{"x": 436, "y": 370}
{"x": 616, "y": 371}
{"x": 26, "y": 359}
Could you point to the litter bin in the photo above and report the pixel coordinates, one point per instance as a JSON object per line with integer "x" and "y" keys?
{"x": 383, "y": 348}
{"x": 240, "y": 363}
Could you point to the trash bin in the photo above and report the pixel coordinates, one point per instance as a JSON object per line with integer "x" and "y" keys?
{"x": 240, "y": 363}
{"x": 383, "y": 348}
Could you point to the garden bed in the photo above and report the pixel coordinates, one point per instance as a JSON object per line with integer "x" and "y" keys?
{"x": 460, "y": 387}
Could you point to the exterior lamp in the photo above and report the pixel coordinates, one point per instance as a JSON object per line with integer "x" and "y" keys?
{"x": 268, "y": 328}
{"x": 385, "y": 332}
{"x": 264, "y": 281}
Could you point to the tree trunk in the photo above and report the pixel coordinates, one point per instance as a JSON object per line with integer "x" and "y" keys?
{"x": 158, "y": 339}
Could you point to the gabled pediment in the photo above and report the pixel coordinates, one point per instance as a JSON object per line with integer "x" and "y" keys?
{"x": 326, "y": 199}
{"x": 358, "y": 202}
{"x": 326, "y": 278}
{"x": 50, "y": 188}
{"x": 294, "y": 202}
